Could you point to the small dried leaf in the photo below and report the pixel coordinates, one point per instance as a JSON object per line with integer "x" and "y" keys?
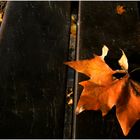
{"x": 69, "y": 94}
{"x": 70, "y": 102}
{"x": 1, "y": 18}
{"x": 120, "y": 9}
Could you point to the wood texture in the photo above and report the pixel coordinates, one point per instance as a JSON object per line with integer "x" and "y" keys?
{"x": 34, "y": 41}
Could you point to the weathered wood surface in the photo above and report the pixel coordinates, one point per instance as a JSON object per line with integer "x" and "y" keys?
{"x": 34, "y": 41}
{"x": 99, "y": 24}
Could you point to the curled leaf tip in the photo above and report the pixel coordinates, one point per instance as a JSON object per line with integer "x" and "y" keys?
{"x": 104, "y": 51}
{"x": 79, "y": 110}
{"x": 123, "y": 62}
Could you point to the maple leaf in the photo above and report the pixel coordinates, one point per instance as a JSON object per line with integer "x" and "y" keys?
{"x": 102, "y": 91}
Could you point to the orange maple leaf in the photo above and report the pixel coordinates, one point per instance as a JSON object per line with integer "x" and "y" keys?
{"x": 102, "y": 91}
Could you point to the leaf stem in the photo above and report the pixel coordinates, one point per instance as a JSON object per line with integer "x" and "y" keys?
{"x": 135, "y": 70}
{"x": 121, "y": 71}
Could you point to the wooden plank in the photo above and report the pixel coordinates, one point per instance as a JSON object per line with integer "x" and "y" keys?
{"x": 100, "y": 24}
{"x": 34, "y": 41}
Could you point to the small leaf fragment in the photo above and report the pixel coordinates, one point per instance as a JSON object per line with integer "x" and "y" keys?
{"x": 70, "y": 102}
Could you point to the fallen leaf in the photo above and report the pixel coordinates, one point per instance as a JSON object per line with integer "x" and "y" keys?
{"x": 102, "y": 91}
{"x": 120, "y": 9}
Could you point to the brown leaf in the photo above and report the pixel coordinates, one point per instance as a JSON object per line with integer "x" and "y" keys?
{"x": 99, "y": 97}
{"x": 102, "y": 91}
{"x": 120, "y": 9}
{"x": 128, "y": 106}
{"x": 95, "y": 68}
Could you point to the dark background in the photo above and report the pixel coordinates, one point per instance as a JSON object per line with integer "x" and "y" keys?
{"x": 34, "y": 44}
